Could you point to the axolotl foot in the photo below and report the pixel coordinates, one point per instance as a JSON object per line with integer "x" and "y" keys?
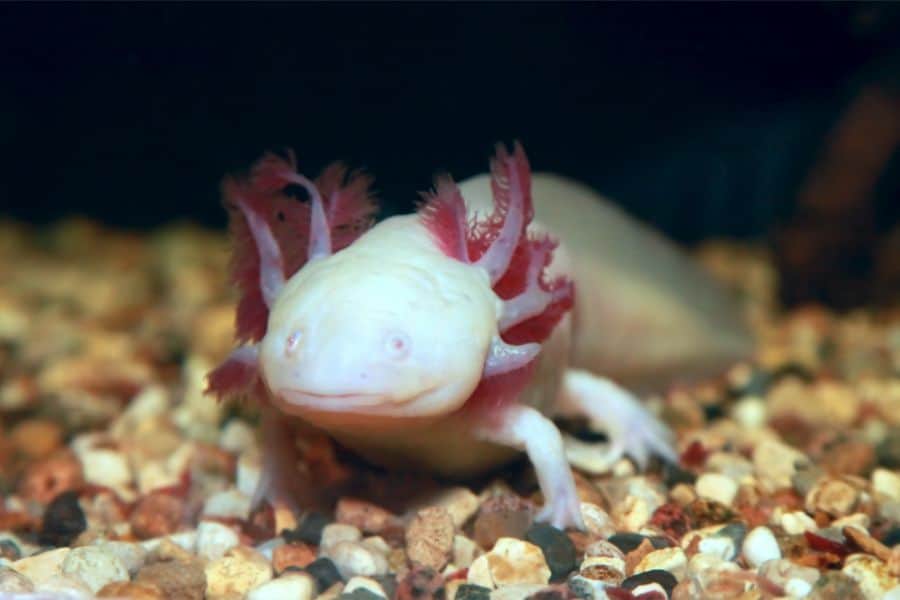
{"x": 525, "y": 428}
{"x": 632, "y": 429}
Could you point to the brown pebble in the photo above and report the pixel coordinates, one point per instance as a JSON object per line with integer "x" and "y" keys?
{"x": 849, "y": 458}
{"x": 36, "y": 438}
{"x": 296, "y": 554}
{"x": 502, "y": 516}
{"x": 47, "y": 478}
{"x": 867, "y": 543}
{"x": 177, "y": 580}
{"x": 156, "y": 515}
{"x": 836, "y": 586}
{"x": 367, "y": 517}
{"x": 131, "y": 590}
{"x": 429, "y": 538}
{"x": 633, "y": 558}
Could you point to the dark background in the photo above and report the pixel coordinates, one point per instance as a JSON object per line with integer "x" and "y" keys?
{"x": 702, "y": 118}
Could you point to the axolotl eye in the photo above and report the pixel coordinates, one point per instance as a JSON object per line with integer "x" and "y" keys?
{"x": 397, "y": 345}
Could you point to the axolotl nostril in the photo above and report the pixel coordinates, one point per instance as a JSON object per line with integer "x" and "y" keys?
{"x": 449, "y": 338}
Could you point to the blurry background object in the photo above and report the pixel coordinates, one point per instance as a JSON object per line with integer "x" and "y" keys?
{"x": 707, "y": 120}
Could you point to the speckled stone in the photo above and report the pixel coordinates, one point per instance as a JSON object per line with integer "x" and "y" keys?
{"x": 178, "y": 580}
{"x": 470, "y": 591}
{"x": 94, "y": 566}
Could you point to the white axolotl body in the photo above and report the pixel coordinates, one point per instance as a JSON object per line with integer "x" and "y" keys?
{"x": 391, "y": 344}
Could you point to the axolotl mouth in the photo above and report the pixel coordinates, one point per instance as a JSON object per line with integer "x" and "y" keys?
{"x": 294, "y": 400}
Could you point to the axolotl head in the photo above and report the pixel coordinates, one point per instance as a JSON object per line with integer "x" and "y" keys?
{"x": 388, "y": 326}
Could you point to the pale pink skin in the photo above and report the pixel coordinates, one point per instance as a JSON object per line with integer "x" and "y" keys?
{"x": 388, "y": 376}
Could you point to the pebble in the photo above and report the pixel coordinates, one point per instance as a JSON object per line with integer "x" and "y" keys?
{"x": 236, "y": 573}
{"x": 832, "y": 496}
{"x": 596, "y": 520}
{"x": 36, "y": 438}
{"x": 156, "y": 515}
{"x": 293, "y": 586}
{"x": 63, "y": 520}
{"x": 796, "y": 580}
{"x": 518, "y": 591}
{"x": 178, "y": 580}
{"x": 502, "y": 516}
{"x": 797, "y": 522}
{"x": 106, "y": 467}
{"x": 237, "y": 436}
{"x": 335, "y": 533}
{"x": 510, "y": 561}
{"x": 365, "y": 584}
{"x": 760, "y": 546}
{"x": 750, "y": 412}
{"x": 672, "y": 560}
{"x": 65, "y": 586}
{"x": 464, "y": 551}
{"x": 662, "y": 578}
{"x": 470, "y": 591}
{"x": 626, "y": 542}
{"x": 835, "y": 585}
{"x": 228, "y": 504}
{"x": 309, "y": 530}
{"x": 11, "y": 581}
{"x": 886, "y": 484}
{"x": 324, "y": 571}
{"x": 429, "y": 538}
{"x": 248, "y": 471}
{"x": 133, "y": 556}
{"x": 43, "y": 480}
{"x": 717, "y": 487}
{"x": 131, "y": 590}
{"x": 215, "y": 539}
{"x": 94, "y": 566}
{"x": 296, "y": 554}
{"x": 871, "y": 574}
{"x": 365, "y": 516}
{"x": 775, "y": 463}
{"x": 420, "y": 583}
{"x": 459, "y": 502}
{"x": 355, "y": 558}
{"x": 42, "y": 566}
{"x": 557, "y": 547}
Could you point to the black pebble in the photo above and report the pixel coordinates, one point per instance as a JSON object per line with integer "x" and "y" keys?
{"x": 558, "y": 549}
{"x": 626, "y": 542}
{"x": 63, "y": 520}
{"x": 673, "y": 475}
{"x": 360, "y": 594}
{"x": 324, "y": 572}
{"x": 888, "y": 450}
{"x": 309, "y": 530}
{"x": 663, "y": 578}
{"x": 470, "y": 591}
{"x": 892, "y": 537}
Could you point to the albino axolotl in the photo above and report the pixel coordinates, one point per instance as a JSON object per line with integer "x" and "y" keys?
{"x": 448, "y": 339}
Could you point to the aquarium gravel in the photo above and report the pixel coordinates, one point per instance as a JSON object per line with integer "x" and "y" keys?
{"x": 121, "y": 479}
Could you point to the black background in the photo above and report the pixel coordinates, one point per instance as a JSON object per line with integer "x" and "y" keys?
{"x": 699, "y": 117}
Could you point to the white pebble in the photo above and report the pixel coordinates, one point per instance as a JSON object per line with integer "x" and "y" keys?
{"x": 106, "y": 467}
{"x": 215, "y": 539}
{"x": 94, "y": 566}
{"x": 717, "y": 487}
{"x": 248, "y": 472}
{"x": 131, "y": 554}
{"x": 760, "y": 545}
{"x": 672, "y": 560}
{"x": 296, "y": 586}
{"x": 718, "y": 545}
{"x": 797, "y": 522}
{"x": 237, "y": 436}
{"x": 227, "y": 503}
{"x": 886, "y": 484}
{"x": 365, "y": 583}
{"x": 750, "y": 412}
{"x": 353, "y": 558}
{"x": 334, "y": 533}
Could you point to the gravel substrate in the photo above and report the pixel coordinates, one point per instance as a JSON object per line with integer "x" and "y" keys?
{"x": 120, "y": 479}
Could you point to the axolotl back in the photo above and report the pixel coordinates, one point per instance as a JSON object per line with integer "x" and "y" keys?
{"x": 448, "y": 339}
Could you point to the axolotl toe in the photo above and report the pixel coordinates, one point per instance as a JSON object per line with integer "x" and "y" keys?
{"x": 448, "y": 339}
